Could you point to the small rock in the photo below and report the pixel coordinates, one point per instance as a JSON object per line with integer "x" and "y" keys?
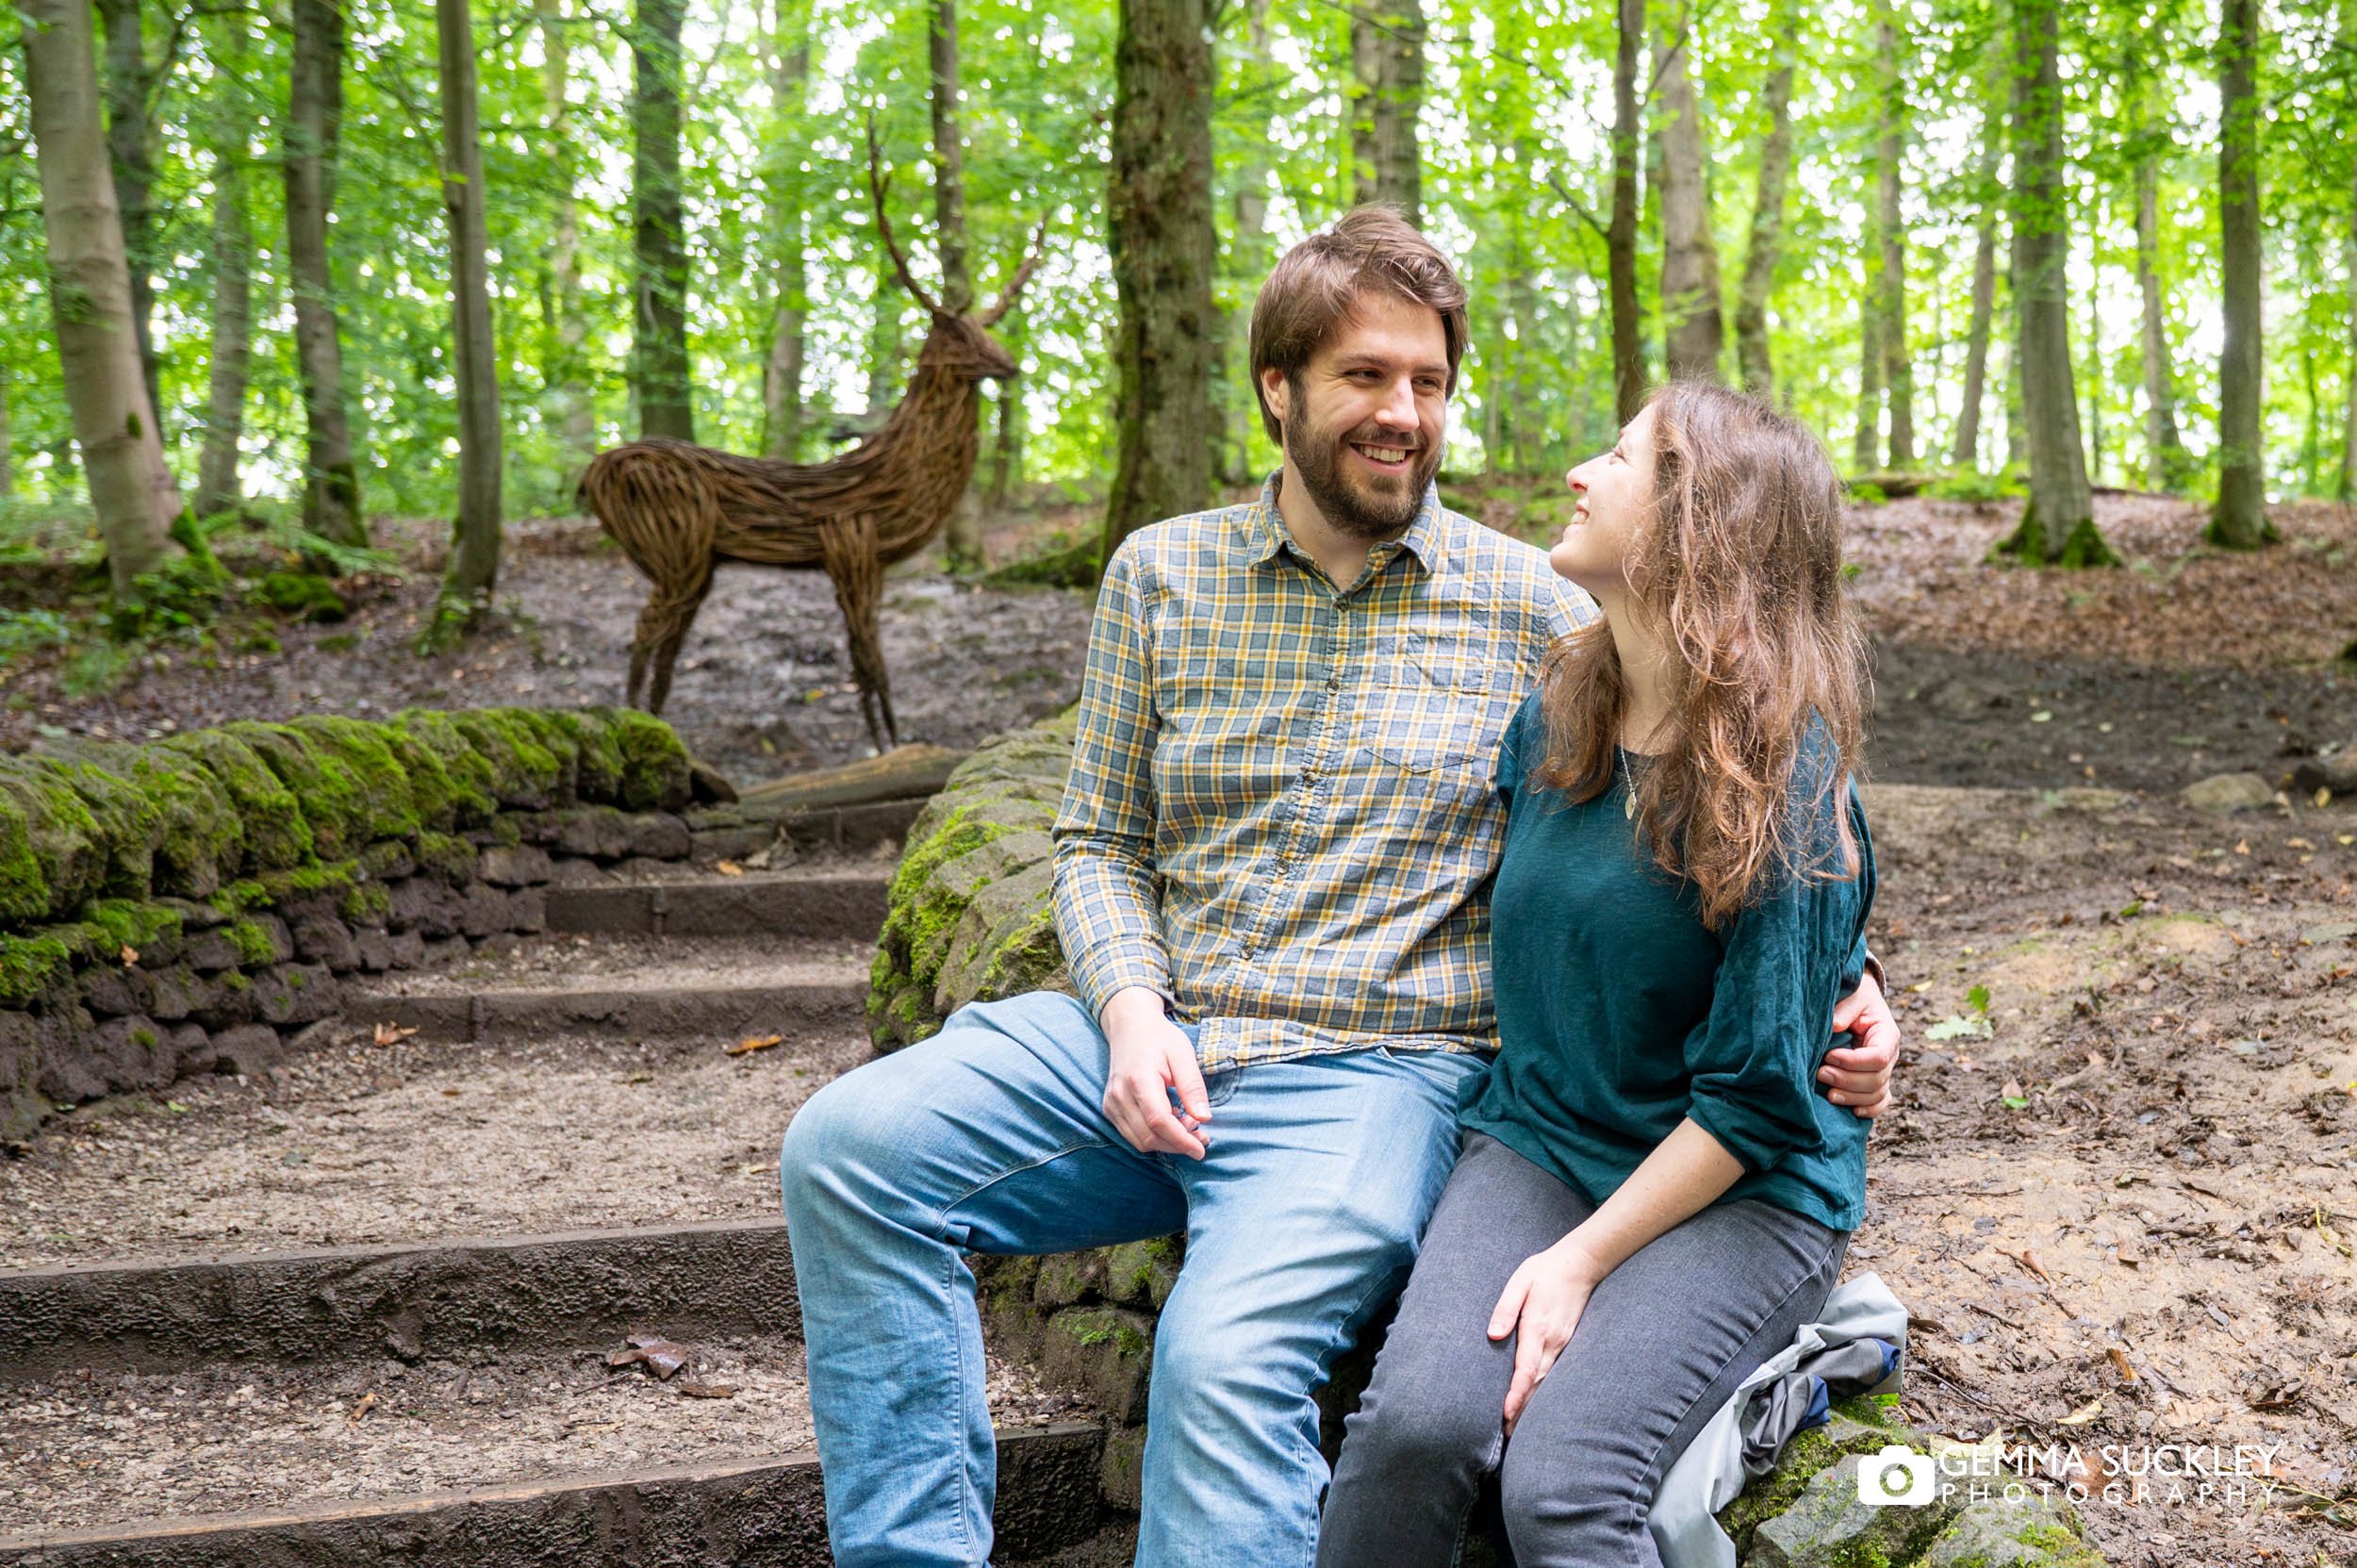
{"x": 481, "y": 910}
{"x": 2229, "y": 792}
{"x": 324, "y": 939}
{"x": 406, "y": 949}
{"x": 659, "y": 836}
{"x": 110, "y": 991}
{"x": 132, "y": 1054}
{"x": 499, "y": 944}
{"x": 191, "y": 1049}
{"x": 443, "y": 951}
{"x": 517, "y": 867}
{"x": 295, "y": 994}
{"x": 249, "y": 1050}
{"x": 2338, "y": 773}
{"x": 598, "y": 831}
{"x": 2029, "y": 1532}
{"x": 173, "y": 993}
{"x": 424, "y": 906}
{"x": 706, "y": 786}
{"x": 527, "y": 910}
{"x": 1828, "y": 1525}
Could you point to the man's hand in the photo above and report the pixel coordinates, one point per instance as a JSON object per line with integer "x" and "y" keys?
{"x": 1859, "y": 1076}
{"x": 1541, "y": 1306}
{"x": 1151, "y": 1056}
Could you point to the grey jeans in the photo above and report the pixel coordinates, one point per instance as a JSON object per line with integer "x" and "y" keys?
{"x": 1662, "y": 1344}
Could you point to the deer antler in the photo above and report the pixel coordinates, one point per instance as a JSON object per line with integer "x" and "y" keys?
{"x": 1007, "y": 295}
{"x": 883, "y": 225}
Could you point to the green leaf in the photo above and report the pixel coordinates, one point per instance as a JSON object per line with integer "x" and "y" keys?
{"x": 1957, "y": 1027}
{"x": 1977, "y": 1000}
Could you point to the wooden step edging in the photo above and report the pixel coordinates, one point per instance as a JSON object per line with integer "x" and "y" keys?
{"x": 750, "y": 1512}
{"x": 751, "y": 905}
{"x": 412, "y": 1300}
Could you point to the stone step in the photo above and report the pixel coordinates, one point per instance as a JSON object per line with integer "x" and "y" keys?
{"x": 647, "y": 988}
{"x": 450, "y": 1299}
{"x": 830, "y": 906}
{"x": 523, "y": 1462}
{"x": 357, "y": 1145}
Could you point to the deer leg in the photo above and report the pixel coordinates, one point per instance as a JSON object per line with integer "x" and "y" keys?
{"x": 847, "y": 545}
{"x": 662, "y": 625}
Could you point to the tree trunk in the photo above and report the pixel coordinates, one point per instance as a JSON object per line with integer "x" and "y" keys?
{"x": 2058, "y": 525}
{"x": 474, "y": 556}
{"x": 659, "y": 340}
{"x": 2348, "y": 381}
{"x": 1866, "y": 446}
{"x": 1165, "y": 247}
{"x": 781, "y": 369}
{"x": 962, "y": 539}
{"x": 2165, "y": 449}
{"x": 1247, "y": 254}
{"x": 1692, "y": 327}
{"x": 1968, "y": 449}
{"x": 568, "y": 378}
{"x": 2239, "y": 520}
{"x": 90, "y": 290}
{"x": 8, "y": 442}
{"x": 1890, "y": 154}
{"x": 130, "y": 82}
{"x": 1628, "y": 326}
{"x": 2095, "y": 392}
{"x": 331, "y": 489}
{"x": 1006, "y": 457}
{"x": 1753, "y": 359}
{"x": 216, "y": 487}
{"x": 1387, "y": 40}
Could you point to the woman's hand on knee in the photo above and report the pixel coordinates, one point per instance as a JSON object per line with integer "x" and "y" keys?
{"x": 1541, "y": 1306}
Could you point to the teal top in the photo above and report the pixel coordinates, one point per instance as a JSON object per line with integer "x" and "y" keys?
{"x": 1619, "y": 1014}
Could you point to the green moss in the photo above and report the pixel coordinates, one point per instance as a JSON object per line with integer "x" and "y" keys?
{"x": 270, "y": 821}
{"x": 252, "y": 943}
{"x": 599, "y": 765}
{"x": 142, "y": 1037}
{"x": 133, "y": 923}
{"x": 304, "y": 595}
{"x": 433, "y": 795}
{"x": 384, "y": 807}
{"x": 308, "y": 882}
{"x": 451, "y": 859}
{"x": 524, "y": 773}
{"x": 558, "y": 741}
{"x": 368, "y": 903}
{"x": 127, "y": 817}
{"x": 472, "y": 795}
{"x": 200, "y": 836}
{"x": 237, "y": 896}
{"x": 67, "y": 848}
{"x": 30, "y": 965}
{"x": 233, "y": 979}
{"x": 655, "y": 763}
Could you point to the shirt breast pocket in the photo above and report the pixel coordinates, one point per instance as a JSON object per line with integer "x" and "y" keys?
{"x": 1448, "y": 727}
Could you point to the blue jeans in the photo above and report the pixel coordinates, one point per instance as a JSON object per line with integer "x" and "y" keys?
{"x": 991, "y": 1137}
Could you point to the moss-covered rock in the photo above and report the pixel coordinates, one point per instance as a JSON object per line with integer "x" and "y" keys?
{"x": 306, "y": 595}
{"x": 969, "y": 914}
{"x": 525, "y": 774}
{"x": 655, "y": 765}
{"x": 55, "y": 854}
{"x": 272, "y": 825}
{"x": 472, "y": 800}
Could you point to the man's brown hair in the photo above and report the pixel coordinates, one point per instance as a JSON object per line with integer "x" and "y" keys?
{"x": 1314, "y": 290}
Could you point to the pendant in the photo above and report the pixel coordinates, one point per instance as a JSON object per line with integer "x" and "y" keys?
{"x": 1629, "y": 808}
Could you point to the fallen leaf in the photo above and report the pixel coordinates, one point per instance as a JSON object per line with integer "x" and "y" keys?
{"x": 660, "y": 1356}
{"x": 450, "y": 1094}
{"x": 729, "y": 869}
{"x": 393, "y": 1034}
{"x": 769, "y": 1169}
{"x": 368, "y": 1403}
{"x": 757, "y": 863}
{"x": 694, "y": 1390}
{"x": 2242, "y": 846}
{"x": 2298, "y": 844}
{"x": 2083, "y": 1414}
{"x": 753, "y": 1043}
{"x": 2119, "y": 1360}
{"x": 130, "y": 955}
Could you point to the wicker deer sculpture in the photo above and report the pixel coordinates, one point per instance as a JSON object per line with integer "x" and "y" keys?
{"x": 677, "y": 510}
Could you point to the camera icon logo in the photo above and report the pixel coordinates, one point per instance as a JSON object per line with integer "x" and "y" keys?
{"x": 1898, "y": 1475}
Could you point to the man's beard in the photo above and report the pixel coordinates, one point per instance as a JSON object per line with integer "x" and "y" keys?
{"x": 1353, "y": 508}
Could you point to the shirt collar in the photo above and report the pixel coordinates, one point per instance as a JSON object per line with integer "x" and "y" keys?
{"x": 1265, "y": 533}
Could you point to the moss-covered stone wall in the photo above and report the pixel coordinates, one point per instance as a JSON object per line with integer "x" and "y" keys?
{"x": 970, "y": 919}
{"x": 178, "y": 906}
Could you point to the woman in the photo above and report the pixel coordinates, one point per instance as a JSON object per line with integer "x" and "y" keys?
{"x": 1652, "y": 1197}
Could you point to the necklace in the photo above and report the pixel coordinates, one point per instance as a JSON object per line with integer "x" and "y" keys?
{"x": 1629, "y": 784}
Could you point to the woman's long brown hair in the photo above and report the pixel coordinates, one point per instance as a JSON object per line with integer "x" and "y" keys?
{"x": 1738, "y": 560}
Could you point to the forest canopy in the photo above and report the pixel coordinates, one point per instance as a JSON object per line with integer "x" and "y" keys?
{"x": 1826, "y": 200}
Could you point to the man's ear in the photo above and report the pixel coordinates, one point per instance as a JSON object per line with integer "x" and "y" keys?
{"x": 1274, "y": 389}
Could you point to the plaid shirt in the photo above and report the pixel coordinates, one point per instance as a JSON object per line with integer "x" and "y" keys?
{"x": 1281, "y": 813}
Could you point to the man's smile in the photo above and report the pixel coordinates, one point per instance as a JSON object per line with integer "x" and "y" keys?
{"x": 1383, "y": 457}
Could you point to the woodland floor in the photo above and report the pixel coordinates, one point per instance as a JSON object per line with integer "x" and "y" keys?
{"x": 2121, "y": 1201}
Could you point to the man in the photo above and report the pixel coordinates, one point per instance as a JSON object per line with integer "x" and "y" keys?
{"x": 1272, "y": 874}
